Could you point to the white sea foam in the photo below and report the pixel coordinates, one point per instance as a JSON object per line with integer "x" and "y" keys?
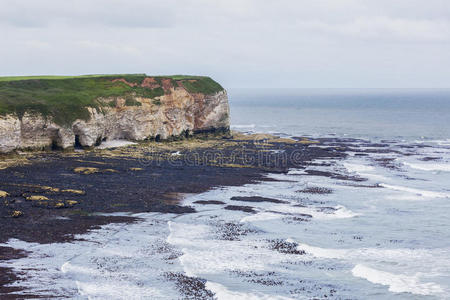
{"x": 319, "y": 146}
{"x": 351, "y": 167}
{"x": 371, "y": 254}
{"x": 221, "y": 292}
{"x": 205, "y": 255}
{"x": 262, "y": 216}
{"x": 375, "y": 177}
{"x": 94, "y": 290}
{"x": 439, "y": 142}
{"x": 296, "y": 172}
{"x": 423, "y": 193}
{"x": 215, "y": 257}
{"x": 243, "y": 126}
{"x": 398, "y": 283}
{"x": 443, "y": 142}
{"x": 186, "y": 234}
{"x": 115, "y": 144}
{"x": 337, "y": 212}
{"x": 115, "y": 262}
{"x": 429, "y": 167}
{"x": 321, "y": 252}
{"x": 343, "y": 213}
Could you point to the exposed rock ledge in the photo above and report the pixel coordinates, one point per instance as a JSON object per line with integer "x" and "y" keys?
{"x": 175, "y": 113}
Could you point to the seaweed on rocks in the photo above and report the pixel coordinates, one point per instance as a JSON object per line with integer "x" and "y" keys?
{"x": 285, "y": 247}
{"x": 316, "y": 190}
{"x": 190, "y": 287}
{"x": 233, "y": 231}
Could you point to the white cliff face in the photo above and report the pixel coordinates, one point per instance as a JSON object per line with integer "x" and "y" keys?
{"x": 172, "y": 114}
{"x": 215, "y": 112}
{"x": 10, "y": 134}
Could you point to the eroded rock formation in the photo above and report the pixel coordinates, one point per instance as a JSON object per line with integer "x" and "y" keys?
{"x": 175, "y": 113}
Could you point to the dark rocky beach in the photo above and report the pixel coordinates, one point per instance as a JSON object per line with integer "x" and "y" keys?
{"x": 52, "y": 196}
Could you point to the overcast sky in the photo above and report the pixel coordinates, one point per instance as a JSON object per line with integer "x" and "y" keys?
{"x": 240, "y": 43}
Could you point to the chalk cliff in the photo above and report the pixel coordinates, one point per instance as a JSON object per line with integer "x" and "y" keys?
{"x": 176, "y": 112}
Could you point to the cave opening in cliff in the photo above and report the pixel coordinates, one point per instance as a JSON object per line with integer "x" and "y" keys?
{"x": 99, "y": 141}
{"x": 55, "y": 145}
{"x": 158, "y": 138}
{"x": 77, "y": 142}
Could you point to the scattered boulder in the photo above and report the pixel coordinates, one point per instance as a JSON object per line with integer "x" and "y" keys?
{"x": 37, "y": 198}
{"x": 78, "y": 192}
{"x": 214, "y": 202}
{"x": 16, "y": 213}
{"x": 86, "y": 170}
{"x": 247, "y": 209}
{"x": 257, "y": 199}
{"x": 136, "y": 169}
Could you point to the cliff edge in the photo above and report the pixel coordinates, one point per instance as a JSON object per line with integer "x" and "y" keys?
{"x": 63, "y": 112}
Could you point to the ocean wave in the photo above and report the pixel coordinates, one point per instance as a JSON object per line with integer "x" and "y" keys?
{"x": 243, "y": 126}
{"x": 320, "y": 213}
{"x": 358, "y": 167}
{"x": 296, "y": 172}
{"x": 213, "y": 256}
{"x": 439, "y": 142}
{"x": 262, "y": 216}
{"x": 221, "y": 292}
{"x": 443, "y": 142}
{"x": 429, "y": 167}
{"x": 375, "y": 177}
{"x": 398, "y": 283}
{"x": 423, "y": 193}
{"x": 374, "y": 254}
{"x": 113, "y": 287}
{"x": 102, "y": 264}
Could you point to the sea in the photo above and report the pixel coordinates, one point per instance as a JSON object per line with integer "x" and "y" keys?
{"x": 384, "y": 237}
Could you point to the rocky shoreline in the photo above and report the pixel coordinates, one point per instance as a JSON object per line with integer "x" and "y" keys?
{"x": 52, "y": 196}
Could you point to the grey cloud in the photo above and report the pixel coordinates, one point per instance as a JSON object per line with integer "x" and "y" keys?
{"x": 386, "y": 29}
{"x": 44, "y": 13}
{"x": 271, "y": 43}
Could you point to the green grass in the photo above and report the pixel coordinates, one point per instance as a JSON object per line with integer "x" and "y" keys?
{"x": 182, "y": 77}
{"x": 203, "y": 85}
{"x": 55, "y": 77}
{"x": 65, "y": 98}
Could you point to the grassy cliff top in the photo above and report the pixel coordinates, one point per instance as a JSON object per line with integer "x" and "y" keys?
{"x": 65, "y": 98}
